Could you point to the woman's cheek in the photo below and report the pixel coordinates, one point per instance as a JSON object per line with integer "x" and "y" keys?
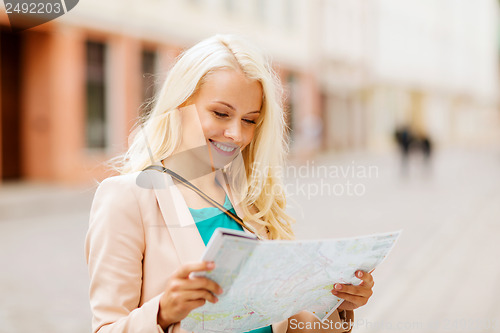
{"x": 249, "y": 137}
{"x": 209, "y": 129}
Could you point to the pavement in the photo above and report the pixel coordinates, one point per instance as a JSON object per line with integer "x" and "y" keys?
{"x": 443, "y": 273}
{"x": 43, "y": 280}
{"x": 440, "y": 277}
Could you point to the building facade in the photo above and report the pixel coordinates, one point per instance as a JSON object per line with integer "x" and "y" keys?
{"x": 353, "y": 71}
{"x": 429, "y": 65}
{"x": 73, "y": 88}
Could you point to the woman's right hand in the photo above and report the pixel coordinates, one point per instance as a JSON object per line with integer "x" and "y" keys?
{"x": 184, "y": 293}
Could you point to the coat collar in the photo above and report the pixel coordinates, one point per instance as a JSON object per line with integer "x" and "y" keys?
{"x": 179, "y": 221}
{"x": 183, "y": 231}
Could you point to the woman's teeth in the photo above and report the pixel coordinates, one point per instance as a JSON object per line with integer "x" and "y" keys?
{"x": 222, "y": 147}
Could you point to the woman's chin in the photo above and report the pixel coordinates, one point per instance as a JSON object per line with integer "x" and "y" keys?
{"x": 219, "y": 161}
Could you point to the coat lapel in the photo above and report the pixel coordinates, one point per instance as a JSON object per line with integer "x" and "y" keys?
{"x": 183, "y": 231}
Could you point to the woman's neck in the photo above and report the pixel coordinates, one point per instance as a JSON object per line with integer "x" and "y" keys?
{"x": 199, "y": 175}
{"x": 192, "y": 169}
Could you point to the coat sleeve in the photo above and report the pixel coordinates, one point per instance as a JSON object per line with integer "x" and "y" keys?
{"x": 114, "y": 251}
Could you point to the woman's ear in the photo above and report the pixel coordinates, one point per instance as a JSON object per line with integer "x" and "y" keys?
{"x": 189, "y": 100}
{"x": 186, "y": 103}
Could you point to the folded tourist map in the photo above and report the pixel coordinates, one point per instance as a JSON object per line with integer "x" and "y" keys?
{"x": 267, "y": 281}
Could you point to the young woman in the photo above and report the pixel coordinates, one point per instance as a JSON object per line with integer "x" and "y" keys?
{"x": 212, "y": 148}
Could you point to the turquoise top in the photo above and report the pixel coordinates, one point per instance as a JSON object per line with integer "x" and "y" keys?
{"x": 210, "y": 218}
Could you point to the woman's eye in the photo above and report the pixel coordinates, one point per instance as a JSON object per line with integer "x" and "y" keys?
{"x": 225, "y": 115}
{"x": 220, "y": 114}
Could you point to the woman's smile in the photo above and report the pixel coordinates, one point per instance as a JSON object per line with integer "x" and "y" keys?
{"x": 225, "y": 148}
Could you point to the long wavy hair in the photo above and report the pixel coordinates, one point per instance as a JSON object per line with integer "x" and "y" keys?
{"x": 158, "y": 133}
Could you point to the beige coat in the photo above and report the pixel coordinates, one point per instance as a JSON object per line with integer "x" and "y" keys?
{"x": 140, "y": 232}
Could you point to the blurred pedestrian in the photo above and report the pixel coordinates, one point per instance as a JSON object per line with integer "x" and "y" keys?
{"x": 410, "y": 143}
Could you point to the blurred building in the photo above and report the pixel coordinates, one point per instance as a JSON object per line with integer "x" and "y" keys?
{"x": 429, "y": 65}
{"x": 71, "y": 89}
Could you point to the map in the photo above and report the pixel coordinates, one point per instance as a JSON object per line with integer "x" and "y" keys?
{"x": 265, "y": 282}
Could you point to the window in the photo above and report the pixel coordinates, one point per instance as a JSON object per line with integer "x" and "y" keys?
{"x": 229, "y": 5}
{"x": 260, "y": 10}
{"x": 96, "y": 95}
{"x": 148, "y": 60}
{"x": 289, "y": 14}
{"x": 291, "y": 92}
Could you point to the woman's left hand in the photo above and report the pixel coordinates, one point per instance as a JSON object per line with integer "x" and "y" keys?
{"x": 354, "y": 296}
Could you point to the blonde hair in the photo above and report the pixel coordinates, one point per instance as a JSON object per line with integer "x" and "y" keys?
{"x": 263, "y": 200}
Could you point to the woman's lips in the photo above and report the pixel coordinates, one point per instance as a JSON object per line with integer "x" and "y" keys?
{"x": 224, "y": 149}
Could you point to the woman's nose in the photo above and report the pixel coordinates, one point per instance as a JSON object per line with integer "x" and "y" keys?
{"x": 233, "y": 131}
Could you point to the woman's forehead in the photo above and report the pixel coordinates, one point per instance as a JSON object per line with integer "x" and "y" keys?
{"x": 233, "y": 88}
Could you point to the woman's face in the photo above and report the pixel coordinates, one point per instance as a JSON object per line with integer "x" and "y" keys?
{"x": 228, "y": 105}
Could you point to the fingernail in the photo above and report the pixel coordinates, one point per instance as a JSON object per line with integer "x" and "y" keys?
{"x": 360, "y": 274}
{"x": 334, "y": 292}
{"x": 338, "y": 286}
{"x": 220, "y": 291}
{"x": 210, "y": 265}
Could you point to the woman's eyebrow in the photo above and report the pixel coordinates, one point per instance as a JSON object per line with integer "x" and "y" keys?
{"x": 226, "y": 104}
{"x": 232, "y": 107}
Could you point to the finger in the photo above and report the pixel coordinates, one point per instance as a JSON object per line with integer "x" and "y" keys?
{"x": 204, "y": 283}
{"x": 197, "y": 303}
{"x": 186, "y": 269}
{"x": 362, "y": 291}
{"x": 366, "y": 278}
{"x": 356, "y": 300}
{"x": 188, "y": 306}
{"x": 199, "y": 294}
{"x": 195, "y": 283}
